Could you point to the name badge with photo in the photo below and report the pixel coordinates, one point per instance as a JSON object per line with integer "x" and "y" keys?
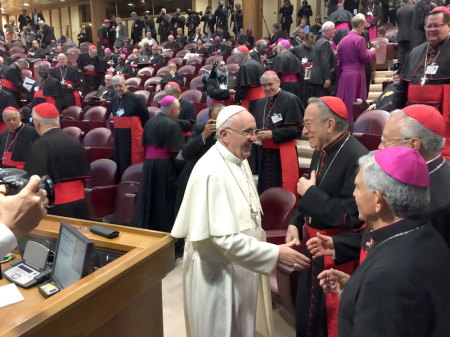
{"x": 431, "y": 70}
{"x": 223, "y": 86}
{"x": 120, "y": 112}
{"x": 304, "y": 60}
{"x": 276, "y": 118}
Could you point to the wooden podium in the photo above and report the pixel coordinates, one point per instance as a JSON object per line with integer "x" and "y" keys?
{"x": 122, "y": 298}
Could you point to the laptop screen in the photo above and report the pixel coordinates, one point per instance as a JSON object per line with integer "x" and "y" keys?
{"x": 72, "y": 257}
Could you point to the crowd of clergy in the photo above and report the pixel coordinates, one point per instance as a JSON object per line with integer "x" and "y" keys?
{"x": 373, "y": 228}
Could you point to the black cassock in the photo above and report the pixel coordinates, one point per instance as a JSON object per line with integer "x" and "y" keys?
{"x": 46, "y": 91}
{"x": 282, "y": 115}
{"x": 186, "y": 117}
{"x": 128, "y": 129}
{"x": 17, "y": 148}
{"x": 65, "y": 160}
{"x": 70, "y": 76}
{"x": 6, "y": 100}
{"x": 329, "y": 205}
{"x": 247, "y": 80}
{"x": 91, "y": 79}
{"x": 290, "y": 71}
{"x": 401, "y": 288}
{"x": 13, "y": 82}
{"x": 194, "y": 149}
{"x": 155, "y": 207}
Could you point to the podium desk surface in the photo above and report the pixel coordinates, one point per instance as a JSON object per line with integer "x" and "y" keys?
{"x": 121, "y": 296}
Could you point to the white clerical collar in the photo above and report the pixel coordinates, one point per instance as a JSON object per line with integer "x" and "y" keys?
{"x": 227, "y": 155}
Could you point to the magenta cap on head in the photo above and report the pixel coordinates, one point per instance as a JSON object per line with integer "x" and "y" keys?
{"x": 123, "y": 56}
{"x": 167, "y": 100}
{"x": 404, "y": 164}
{"x": 285, "y": 43}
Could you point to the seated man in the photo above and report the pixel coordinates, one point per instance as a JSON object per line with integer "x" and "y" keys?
{"x": 104, "y": 94}
{"x": 197, "y": 36}
{"x": 35, "y": 53}
{"x": 172, "y": 76}
{"x": 148, "y": 39}
{"x": 6, "y": 100}
{"x": 122, "y": 68}
{"x": 384, "y": 101}
{"x": 147, "y": 51}
{"x": 16, "y": 140}
{"x": 181, "y": 39}
{"x": 172, "y": 43}
{"x": 391, "y": 191}
{"x": 156, "y": 58}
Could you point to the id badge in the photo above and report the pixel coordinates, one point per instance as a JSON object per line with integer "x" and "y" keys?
{"x": 431, "y": 70}
{"x": 120, "y": 112}
{"x": 304, "y": 60}
{"x": 223, "y": 86}
{"x": 62, "y": 81}
{"x": 36, "y": 88}
{"x": 276, "y": 118}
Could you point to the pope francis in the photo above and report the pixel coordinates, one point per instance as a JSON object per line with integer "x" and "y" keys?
{"x": 220, "y": 217}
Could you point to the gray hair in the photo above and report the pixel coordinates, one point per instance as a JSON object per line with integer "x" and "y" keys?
{"x": 22, "y": 63}
{"x": 405, "y": 200}
{"x": 118, "y": 79}
{"x": 171, "y": 90}
{"x": 268, "y": 74}
{"x": 431, "y": 144}
{"x": 357, "y": 20}
{"x": 327, "y": 25}
{"x": 45, "y": 121}
{"x": 325, "y": 113}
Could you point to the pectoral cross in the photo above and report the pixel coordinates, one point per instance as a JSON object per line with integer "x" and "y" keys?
{"x": 423, "y": 80}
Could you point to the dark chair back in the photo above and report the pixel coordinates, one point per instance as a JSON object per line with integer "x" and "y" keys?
{"x": 99, "y": 137}
{"x": 371, "y": 122}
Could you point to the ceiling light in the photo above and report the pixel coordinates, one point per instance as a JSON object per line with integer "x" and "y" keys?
{"x": 26, "y": 4}
{"x": 130, "y": 5}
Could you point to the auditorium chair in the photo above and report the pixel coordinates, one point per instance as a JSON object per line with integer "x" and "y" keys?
{"x": 278, "y": 205}
{"x": 133, "y": 83}
{"x": 87, "y": 99}
{"x": 72, "y": 55}
{"x": 177, "y": 60}
{"x": 152, "y": 111}
{"x": 231, "y": 59}
{"x": 380, "y": 44}
{"x": 144, "y": 95}
{"x": 207, "y": 67}
{"x": 127, "y": 191}
{"x": 162, "y": 71}
{"x": 383, "y": 28}
{"x": 211, "y": 59}
{"x": 17, "y": 56}
{"x": 167, "y": 53}
{"x": 391, "y": 34}
{"x": 189, "y": 73}
{"x": 101, "y": 187}
{"x": 182, "y": 53}
{"x": 358, "y": 108}
{"x": 145, "y": 73}
{"x": 371, "y": 122}
{"x": 203, "y": 116}
{"x": 195, "y": 61}
{"x": 197, "y": 83}
{"x": 94, "y": 118}
{"x": 72, "y": 112}
{"x": 99, "y": 144}
{"x": 74, "y": 131}
{"x": 157, "y": 98}
{"x": 190, "y": 46}
{"x": 151, "y": 83}
{"x": 17, "y": 49}
{"x": 192, "y": 95}
{"x": 371, "y": 142}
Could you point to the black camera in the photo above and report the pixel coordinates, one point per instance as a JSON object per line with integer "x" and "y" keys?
{"x": 191, "y": 12}
{"x": 14, "y": 181}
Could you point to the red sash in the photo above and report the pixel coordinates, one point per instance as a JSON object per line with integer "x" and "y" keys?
{"x": 288, "y": 77}
{"x": 252, "y": 94}
{"x": 187, "y": 133}
{"x": 332, "y": 299}
{"x": 154, "y": 152}
{"x": 91, "y": 73}
{"x": 40, "y": 94}
{"x": 9, "y": 162}
{"x": 134, "y": 124}
{"x": 69, "y": 191}
{"x": 76, "y": 95}
{"x": 289, "y": 162}
{"x": 10, "y": 85}
{"x": 434, "y": 94}
{"x": 372, "y": 29}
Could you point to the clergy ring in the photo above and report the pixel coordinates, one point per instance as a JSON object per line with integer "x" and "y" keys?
{"x": 295, "y": 266}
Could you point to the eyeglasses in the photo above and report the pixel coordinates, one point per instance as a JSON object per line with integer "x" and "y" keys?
{"x": 244, "y": 133}
{"x": 435, "y": 26}
{"x": 386, "y": 141}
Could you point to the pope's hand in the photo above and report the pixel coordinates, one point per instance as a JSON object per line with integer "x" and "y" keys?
{"x": 292, "y": 258}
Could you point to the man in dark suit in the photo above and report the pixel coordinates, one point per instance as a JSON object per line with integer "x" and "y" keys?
{"x": 137, "y": 28}
{"x": 47, "y": 34}
{"x": 405, "y": 16}
{"x": 36, "y": 17}
{"x": 323, "y": 75}
{"x": 88, "y": 31}
{"x": 24, "y": 19}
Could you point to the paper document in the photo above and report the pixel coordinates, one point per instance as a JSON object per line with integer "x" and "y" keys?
{"x": 9, "y": 294}
{"x": 28, "y": 83}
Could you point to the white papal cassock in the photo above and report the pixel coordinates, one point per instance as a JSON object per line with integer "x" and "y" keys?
{"x": 220, "y": 217}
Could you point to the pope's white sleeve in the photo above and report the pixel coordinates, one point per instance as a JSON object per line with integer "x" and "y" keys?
{"x": 7, "y": 240}
{"x": 248, "y": 252}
